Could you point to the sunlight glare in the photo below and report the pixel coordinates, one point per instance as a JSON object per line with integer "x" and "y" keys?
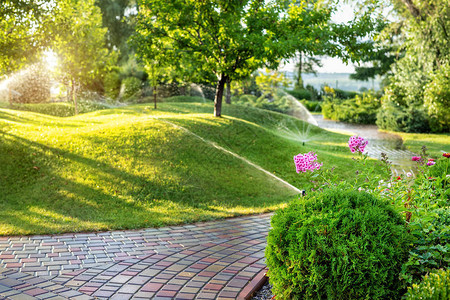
{"x": 50, "y": 59}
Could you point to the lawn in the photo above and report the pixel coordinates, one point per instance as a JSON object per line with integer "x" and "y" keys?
{"x": 130, "y": 167}
{"x": 436, "y": 143}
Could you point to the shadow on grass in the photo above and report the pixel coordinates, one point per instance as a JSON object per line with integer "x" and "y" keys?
{"x": 71, "y": 192}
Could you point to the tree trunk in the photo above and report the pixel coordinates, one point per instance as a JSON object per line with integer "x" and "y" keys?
{"x": 415, "y": 12}
{"x": 219, "y": 96}
{"x": 299, "y": 84}
{"x": 228, "y": 94}
{"x": 154, "y": 95}
{"x": 73, "y": 95}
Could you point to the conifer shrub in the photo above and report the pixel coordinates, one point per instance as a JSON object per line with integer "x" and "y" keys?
{"x": 337, "y": 244}
{"x": 434, "y": 286}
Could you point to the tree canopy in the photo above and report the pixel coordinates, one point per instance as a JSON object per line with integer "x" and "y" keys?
{"x": 24, "y": 31}
{"x": 418, "y": 88}
{"x": 233, "y": 38}
{"x": 80, "y": 43}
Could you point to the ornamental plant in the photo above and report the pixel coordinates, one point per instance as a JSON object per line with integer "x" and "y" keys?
{"x": 424, "y": 202}
{"x": 356, "y": 143}
{"x": 435, "y": 286}
{"x": 306, "y": 162}
{"x": 307, "y": 254}
{"x": 366, "y": 177}
{"x": 338, "y": 244}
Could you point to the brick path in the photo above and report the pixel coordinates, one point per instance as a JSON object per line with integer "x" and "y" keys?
{"x": 214, "y": 260}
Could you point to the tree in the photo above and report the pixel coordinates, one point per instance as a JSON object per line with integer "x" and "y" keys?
{"x": 268, "y": 82}
{"x": 305, "y": 65}
{"x": 24, "y": 31}
{"x": 421, "y": 73}
{"x": 80, "y": 45}
{"x": 233, "y": 38}
{"x": 118, "y": 18}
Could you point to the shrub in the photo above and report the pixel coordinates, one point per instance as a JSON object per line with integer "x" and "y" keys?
{"x": 434, "y": 286}
{"x": 314, "y": 93}
{"x": 130, "y": 87}
{"x": 424, "y": 201}
{"x": 337, "y": 245}
{"x": 279, "y": 103}
{"x": 300, "y": 94}
{"x": 112, "y": 84}
{"x": 398, "y": 118}
{"x": 437, "y": 100}
{"x": 185, "y": 99}
{"x": 359, "y": 110}
{"x": 313, "y": 106}
{"x": 341, "y": 94}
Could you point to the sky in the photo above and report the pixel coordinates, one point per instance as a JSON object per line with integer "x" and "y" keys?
{"x": 331, "y": 64}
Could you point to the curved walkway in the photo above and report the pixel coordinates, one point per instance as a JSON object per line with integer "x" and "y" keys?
{"x": 213, "y": 260}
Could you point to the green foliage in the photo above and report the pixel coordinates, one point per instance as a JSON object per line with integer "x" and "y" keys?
{"x": 428, "y": 214}
{"x": 359, "y": 110}
{"x": 434, "y": 286}
{"x": 300, "y": 94}
{"x": 419, "y": 84}
{"x": 31, "y": 85}
{"x": 269, "y": 81}
{"x": 437, "y": 99}
{"x": 278, "y": 103}
{"x": 341, "y": 94}
{"x": 130, "y": 87}
{"x": 338, "y": 244}
{"x": 118, "y": 17}
{"x": 432, "y": 240}
{"x": 232, "y": 39}
{"x": 185, "y": 99}
{"x": 305, "y": 65}
{"x": 25, "y": 30}
{"x": 399, "y": 118}
{"x": 423, "y": 200}
{"x": 312, "y": 106}
{"x": 112, "y": 84}
{"x": 80, "y": 45}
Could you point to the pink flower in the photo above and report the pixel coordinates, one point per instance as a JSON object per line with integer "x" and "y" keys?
{"x": 409, "y": 174}
{"x": 430, "y": 163}
{"x": 415, "y": 158}
{"x": 356, "y": 143}
{"x": 446, "y": 154}
{"x": 306, "y": 162}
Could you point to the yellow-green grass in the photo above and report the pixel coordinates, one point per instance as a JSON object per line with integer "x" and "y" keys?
{"x": 129, "y": 168}
{"x": 435, "y": 143}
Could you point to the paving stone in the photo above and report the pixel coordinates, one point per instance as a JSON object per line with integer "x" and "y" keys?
{"x": 214, "y": 259}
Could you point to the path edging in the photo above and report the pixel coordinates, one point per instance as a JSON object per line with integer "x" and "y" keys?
{"x": 254, "y": 285}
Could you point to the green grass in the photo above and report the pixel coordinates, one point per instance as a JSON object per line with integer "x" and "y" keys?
{"x": 435, "y": 143}
{"x": 185, "y": 99}
{"x": 57, "y": 109}
{"x": 129, "y": 168}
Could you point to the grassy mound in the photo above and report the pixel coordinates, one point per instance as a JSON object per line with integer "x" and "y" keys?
{"x": 130, "y": 167}
{"x": 60, "y": 109}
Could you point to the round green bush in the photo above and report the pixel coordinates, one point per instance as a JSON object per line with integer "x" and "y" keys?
{"x": 337, "y": 245}
{"x": 434, "y": 286}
